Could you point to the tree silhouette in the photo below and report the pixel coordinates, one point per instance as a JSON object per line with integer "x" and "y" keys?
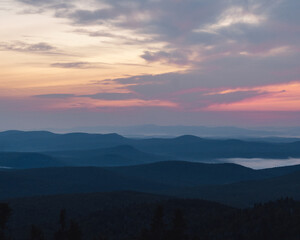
{"x": 5, "y": 212}
{"x": 61, "y": 234}
{"x": 36, "y": 233}
{"x": 157, "y": 227}
{"x": 74, "y": 232}
{"x": 62, "y": 219}
{"x": 178, "y": 226}
{"x": 100, "y": 237}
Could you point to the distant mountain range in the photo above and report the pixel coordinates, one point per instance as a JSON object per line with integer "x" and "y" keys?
{"x": 178, "y": 130}
{"x": 82, "y": 149}
{"x": 45, "y": 163}
{"x": 38, "y": 141}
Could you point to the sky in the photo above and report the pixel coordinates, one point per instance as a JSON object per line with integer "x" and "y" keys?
{"x": 128, "y": 62}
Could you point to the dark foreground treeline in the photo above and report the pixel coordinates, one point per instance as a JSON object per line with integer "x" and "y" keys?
{"x": 172, "y": 219}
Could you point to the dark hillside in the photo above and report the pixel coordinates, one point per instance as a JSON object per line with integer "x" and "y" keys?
{"x": 49, "y": 181}
{"x": 245, "y": 194}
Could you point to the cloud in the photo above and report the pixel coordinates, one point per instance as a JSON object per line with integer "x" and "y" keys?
{"x": 215, "y": 97}
{"x": 281, "y": 97}
{"x": 258, "y": 98}
{"x": 227, "y": 72}
{"x": 150, "y": 17}
{"x": 232, "y": 16}
{"x": 48, "y": 3}
{"x": 38, "y": 2}
{"x": 99, "y": 96}
{"x": 94, "y": 104}
{"x": 99, "y": 101}
{"x": 112, "y": 96}
{"x": 79, "y": 65}
{"x": 220, "y": 44}
{"x": 124, "y": 37}
{"x": 184, "y": 27}
{"x": 174, "y": 57}
{"x": 55, "y": 95}
{"x": 82, "y": 17}
{"x": 36, "y": 48}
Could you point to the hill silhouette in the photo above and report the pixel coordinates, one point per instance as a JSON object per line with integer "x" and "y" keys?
{"x": 174, "y": 178}
{"x": 191, "y": 147}
{"x": 180, "y": 148}
{"x": 47, "y": 141}
{"x": 20, "y": 160}
{"x": 50, "y": 181}
{"x": 122, "y": 155}
{"x": 245, "y": 194}
{"x": 183, "y": 174}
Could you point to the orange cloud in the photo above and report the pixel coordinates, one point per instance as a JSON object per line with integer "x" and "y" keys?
{"x": 88, "y": 103}
{"x": 279, "y": 97}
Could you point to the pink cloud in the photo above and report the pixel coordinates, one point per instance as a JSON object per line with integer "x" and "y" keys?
{"x": 92, "y": 104}
{"x": 279, "y": 97}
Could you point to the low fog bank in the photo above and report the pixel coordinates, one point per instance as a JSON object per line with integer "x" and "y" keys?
{"x": 261, "y": 163}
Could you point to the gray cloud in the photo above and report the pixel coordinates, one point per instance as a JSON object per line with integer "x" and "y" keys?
{"x": 83, "y": 17}
{"x": 71, "y": 65}
{"x": 79, "y": 65}
{"x": 48, "y": 3}
{"x": 88, "y": 65}
{"x": 235, "y": 55}
{"x": 178, "y": 57}
{"x": 163, "y": 15}
{"x": 38, "y": 2}
{"x": 226, "y": 72}
{"x": 112, "y": 96}
{"x": 196, "y": 100}
{"x": 55, "y": 95}
{"x": 39, "y": 48}
{"x": 124, "y": 39}
{"x": 104, "y": 96}
{"x": 257, "y": 44}
{"x": 161, "y": 21}
{"x": 174, "y": 22}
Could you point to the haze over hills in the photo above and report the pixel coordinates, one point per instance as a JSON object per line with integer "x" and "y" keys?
{"x": 192, "y": 147}
{"x": 47, "y": 141}
{"x": 122, "y": 155}
{"x": 151, "y": 130}
{"x": 183, "y": 148}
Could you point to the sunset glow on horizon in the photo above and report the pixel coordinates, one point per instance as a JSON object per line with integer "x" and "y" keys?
{"x": 96, "y": 62}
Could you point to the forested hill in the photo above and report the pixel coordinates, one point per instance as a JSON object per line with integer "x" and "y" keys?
{"x": 229, "y": 183}
{"x": 130, "y": 215}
